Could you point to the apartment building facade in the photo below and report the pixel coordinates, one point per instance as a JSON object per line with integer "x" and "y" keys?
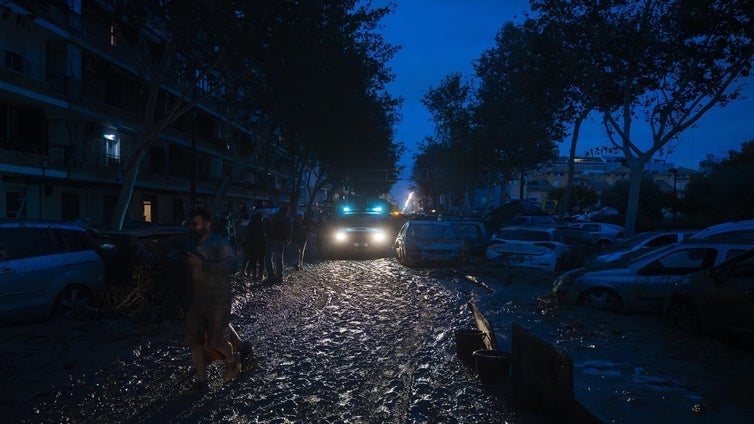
{"x": 71, "y": 107}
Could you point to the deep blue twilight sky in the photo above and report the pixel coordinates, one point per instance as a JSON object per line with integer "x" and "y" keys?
{"x": 438, "y": 37}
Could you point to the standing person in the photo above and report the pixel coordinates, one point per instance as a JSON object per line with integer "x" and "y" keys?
{"x": 254, "y": 245}
{"x": 299, "y": 237}
{"x": 211, "y": 260}
{"x": 279, "y": 229}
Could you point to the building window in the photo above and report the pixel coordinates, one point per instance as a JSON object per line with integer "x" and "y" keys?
{"x": 112, "y": 149}
{"x": 69, "y": 206}
{"x": 147, "y": 204}
{"x": 113, "y": 35}
{"x": 15, "y": 203}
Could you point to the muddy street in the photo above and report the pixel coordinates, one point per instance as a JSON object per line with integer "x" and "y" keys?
{"x": 340, "y": 341}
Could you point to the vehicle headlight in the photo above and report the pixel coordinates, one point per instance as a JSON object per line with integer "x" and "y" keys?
{"x": 379, "y": 236}
{"x": 340, "y": 236}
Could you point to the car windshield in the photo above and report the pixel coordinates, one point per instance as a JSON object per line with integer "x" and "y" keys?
{"x": 361, "y": 220}
{"x": 627, "y": 261}
{"x": 629, "y": 242}
{"x": 524, "y": 235}
{"x": 427, "y": 231}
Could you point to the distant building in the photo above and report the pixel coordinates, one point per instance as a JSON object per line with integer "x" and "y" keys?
{"x": 599, "y": 173}
{"x": 70, "y": 110}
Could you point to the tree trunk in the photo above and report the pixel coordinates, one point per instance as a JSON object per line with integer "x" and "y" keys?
{"x": 563, "y": 206}
{"x": 127, "y": 189}
{"x": 220, "y": 195}
{"x": 632, "y": 210}
{"x": 521, "y": 186}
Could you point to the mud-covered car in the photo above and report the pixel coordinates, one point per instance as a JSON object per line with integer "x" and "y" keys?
{"x": 528, "y": 247}
{"x": 156, "y": 250}
{"x": 636, "y": 245}
{"x": 429, "y": 242}
{"x": 474, "y": 233}
{"x": 642, "y": 283}
{"x": 46, "y": 269}
{"x": 717, "y": 300}
{"x": 604, "y": 234}
{"x": 581, "y": 245}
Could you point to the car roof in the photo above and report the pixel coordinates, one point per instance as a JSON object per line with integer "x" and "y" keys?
{"x": 430, "y": 222}
{"x": 529, "y": 227}
{"x": 40, "y": 224}
{"x": 149, "y": 231}
{"x": 724, "y": 227}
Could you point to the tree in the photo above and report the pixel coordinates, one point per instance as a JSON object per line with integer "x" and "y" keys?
{"x": 182, "y": 51}
{"x": 451, "y": 105}
{"x": 517, "y": 115}
{"x": 723, "y": 194}
{"x": 668, "y": 62}
{"x": 650, "y": 203}
{"x": 582, "y": 197}
{"x": 326, "y": 74}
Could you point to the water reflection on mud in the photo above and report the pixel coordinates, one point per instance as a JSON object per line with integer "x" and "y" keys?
{"x": 372, "y": 341}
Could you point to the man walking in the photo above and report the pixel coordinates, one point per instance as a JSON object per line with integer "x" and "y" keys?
{"x": 211, "y": 260}
{"x": 279, "y": 229}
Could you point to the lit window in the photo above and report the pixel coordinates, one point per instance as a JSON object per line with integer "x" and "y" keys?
{"x": 147, "y": 210}
{"x": 113, "y": 36}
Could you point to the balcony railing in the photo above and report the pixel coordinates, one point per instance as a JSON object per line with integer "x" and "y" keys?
{"x": 17, "y": 63}
{"x": 56, "y": 12}
{"x": 102, "y": 160}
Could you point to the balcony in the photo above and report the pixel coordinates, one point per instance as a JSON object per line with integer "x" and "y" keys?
{"x": 102, "y": 160}
{"x": 17, "y": 63}
{"x": 56, "y": 12}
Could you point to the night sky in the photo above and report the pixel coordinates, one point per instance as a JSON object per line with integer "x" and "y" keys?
{"x": 439, "y": 37}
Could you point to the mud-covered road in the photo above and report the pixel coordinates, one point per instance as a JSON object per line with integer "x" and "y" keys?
{"x": 340, "y": 341}
{"x": 371, "y": 341}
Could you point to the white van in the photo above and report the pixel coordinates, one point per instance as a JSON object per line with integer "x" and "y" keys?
{"x": 45, "y": 269}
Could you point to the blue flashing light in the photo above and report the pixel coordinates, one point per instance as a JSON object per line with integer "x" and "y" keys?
{"x": 377, "y": 208}
{"x": 346, "y": 209}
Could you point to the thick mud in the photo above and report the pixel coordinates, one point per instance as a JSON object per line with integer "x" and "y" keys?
{"x": 370, "y": 341}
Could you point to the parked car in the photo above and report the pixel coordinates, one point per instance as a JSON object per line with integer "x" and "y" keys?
{"x": 533, "y": 220}
{"x": 602, "y": 212}
{"x": 474, "y": 233}
{"x": 529, "y": 247}
{"x": 501, "y": 216}
{"x": 580, "y": 243}
{"x": 742, "y": 231}
{"x": 636, "y": 245}
{"x": 158, "y": 248}
{"x": 46, "y": 269}
{"x": 641, "y": 283}
{"x": 429, "y": 242}
{"x": 604, "y": 234}
{"x": 719, "y": 299}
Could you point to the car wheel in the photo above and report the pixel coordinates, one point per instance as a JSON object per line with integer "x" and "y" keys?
{"x": 604, "y": 299}
{"x": 682, "y": 315}
{"x": 70, "y": 298}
